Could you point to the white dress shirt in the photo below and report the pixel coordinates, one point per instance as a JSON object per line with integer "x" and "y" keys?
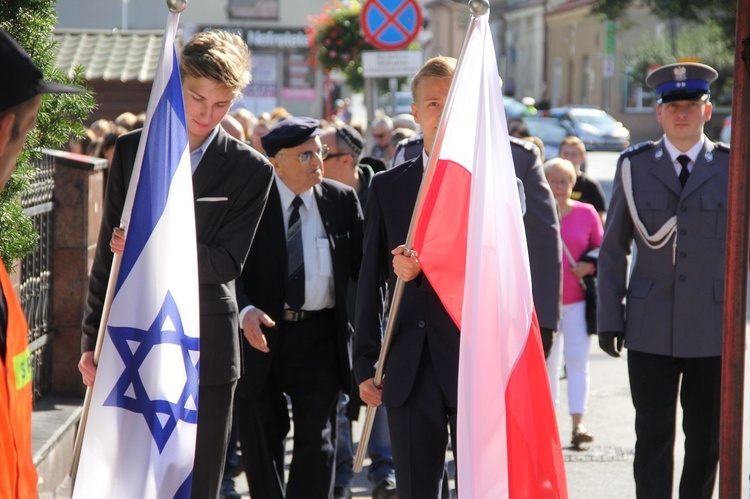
{"x": 692, "y": 153}
{"x": 319, "y": 292}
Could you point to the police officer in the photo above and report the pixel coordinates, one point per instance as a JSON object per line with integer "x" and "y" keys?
{"x": 669, "y": 198}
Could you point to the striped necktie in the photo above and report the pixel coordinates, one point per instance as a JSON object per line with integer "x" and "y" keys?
{"x": 295, "y": 281}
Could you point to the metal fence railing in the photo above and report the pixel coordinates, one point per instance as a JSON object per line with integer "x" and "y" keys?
{"x": 36, "y": 275}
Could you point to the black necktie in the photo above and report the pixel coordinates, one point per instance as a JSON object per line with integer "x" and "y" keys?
{"x": 295, "y": 281}
{"x": 684, "y": 173}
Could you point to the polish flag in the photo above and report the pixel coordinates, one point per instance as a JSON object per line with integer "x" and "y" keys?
{"x": 470, "y": 238}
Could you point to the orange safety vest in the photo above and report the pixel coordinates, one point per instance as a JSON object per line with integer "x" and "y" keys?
{"x": 18, "y": 477}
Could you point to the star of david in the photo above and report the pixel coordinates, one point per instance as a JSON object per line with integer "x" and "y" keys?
{"x": 129, "y": 393}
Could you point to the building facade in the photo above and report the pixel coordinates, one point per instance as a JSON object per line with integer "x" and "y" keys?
{"x": 273, "y": 29}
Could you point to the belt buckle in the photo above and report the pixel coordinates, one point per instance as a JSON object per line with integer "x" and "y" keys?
{"x": 293, "y": 315}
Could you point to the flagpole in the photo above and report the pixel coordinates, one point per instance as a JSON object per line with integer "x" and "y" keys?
{"x": 175, "y": 7}
{"x": 477, "y": 8}
{"x": 113, "y": 274}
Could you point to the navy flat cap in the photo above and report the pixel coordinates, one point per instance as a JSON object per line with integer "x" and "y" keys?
{"x": 289, "y": 133}
{"x": 682, "y": 81}
{"x": 21, "y": 79}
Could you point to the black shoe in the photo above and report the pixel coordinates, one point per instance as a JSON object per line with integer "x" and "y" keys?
{"x": 385, "y": 490}
{"x": 341, "y": 493}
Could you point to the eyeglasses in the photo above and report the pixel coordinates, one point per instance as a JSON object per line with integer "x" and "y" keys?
{"x": 306, "y": 156}
{"x": 379, "y": 136}
{"x": 336, "y": 155}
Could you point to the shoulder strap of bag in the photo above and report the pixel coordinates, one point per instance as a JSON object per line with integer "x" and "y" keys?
{"x": 572, "y": 261}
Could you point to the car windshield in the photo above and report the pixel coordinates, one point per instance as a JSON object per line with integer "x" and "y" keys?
{"x": 513, "y": 108}
{"x": 549, "y": 132}
{"x": 594, "y": 117}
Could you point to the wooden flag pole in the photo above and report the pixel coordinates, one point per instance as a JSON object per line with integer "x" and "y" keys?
{"x": 114, "y": 272}
{"x": 477, "y": 8}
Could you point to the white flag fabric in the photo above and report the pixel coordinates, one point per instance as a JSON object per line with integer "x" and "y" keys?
{"x": 139, "y": 441}
{"x": 470, "y": 237}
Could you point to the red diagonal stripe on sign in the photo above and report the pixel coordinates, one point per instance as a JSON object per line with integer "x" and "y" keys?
{"x": 390, "y": 18}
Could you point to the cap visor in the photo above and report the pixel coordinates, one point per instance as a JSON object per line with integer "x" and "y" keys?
{"x": 47, "y": 87}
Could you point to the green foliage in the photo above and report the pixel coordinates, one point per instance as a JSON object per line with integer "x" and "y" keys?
{"x": 704, "y": 42}
{"x": 336, "y": 41}
{"x": 31, "y": 23}
{"x": 722, "y": 13}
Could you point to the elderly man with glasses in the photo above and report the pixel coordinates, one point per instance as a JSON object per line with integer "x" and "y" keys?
{"x": 293, "y": 296}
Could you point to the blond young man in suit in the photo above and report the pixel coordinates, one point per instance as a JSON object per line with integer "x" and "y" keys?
{"x": 215, "y": 67}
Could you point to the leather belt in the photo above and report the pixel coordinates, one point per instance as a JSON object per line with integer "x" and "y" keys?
{"x": 301, "y": 315}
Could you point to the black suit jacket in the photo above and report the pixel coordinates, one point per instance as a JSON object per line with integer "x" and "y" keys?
{"x": 422, "y": 318}
{"x": 230, "y": 187}
{"x": 542, "y": 233}
{"x": 263, "y": 279}
{"x": 540, "y": 221}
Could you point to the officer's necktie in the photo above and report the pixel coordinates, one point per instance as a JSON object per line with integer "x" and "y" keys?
{"x": 684, "y": 173}
{"x": 295, "y": 281}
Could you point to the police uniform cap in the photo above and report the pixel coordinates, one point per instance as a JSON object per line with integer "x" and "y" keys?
{"x": 682, "y": 81}
{"x": 289, "y": 133}
{"x": 20, "y": 78}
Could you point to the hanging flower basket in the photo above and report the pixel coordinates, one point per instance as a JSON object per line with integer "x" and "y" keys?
{"x": 336, "y": 41}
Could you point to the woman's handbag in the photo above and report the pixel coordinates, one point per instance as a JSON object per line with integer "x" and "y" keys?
{"x": 588, "y": 282}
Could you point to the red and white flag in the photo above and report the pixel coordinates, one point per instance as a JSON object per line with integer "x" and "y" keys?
{"x": 470, "y": 236}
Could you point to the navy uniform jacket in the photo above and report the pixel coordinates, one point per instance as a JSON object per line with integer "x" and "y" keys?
{"x": 669, "y": 307}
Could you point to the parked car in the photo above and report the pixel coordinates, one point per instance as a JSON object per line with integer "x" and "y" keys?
{"x": 598, "y": 130}
{"x": 513, "y": 108}
{"x": 726, "y": 130}
{"x": 396, "y": 103}
{"x": 551, "y": 130}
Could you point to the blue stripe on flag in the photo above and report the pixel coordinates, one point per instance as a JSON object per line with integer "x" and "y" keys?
{"x": 166, "y": 141}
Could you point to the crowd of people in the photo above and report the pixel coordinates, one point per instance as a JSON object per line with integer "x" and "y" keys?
{"x": 309, "y": 239}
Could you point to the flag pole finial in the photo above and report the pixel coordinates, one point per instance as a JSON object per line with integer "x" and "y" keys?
{"x": 479, "y": 8}
{"x": 176, "y": 6}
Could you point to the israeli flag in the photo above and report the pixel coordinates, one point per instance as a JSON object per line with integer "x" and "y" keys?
{"x": 139, "y": 440}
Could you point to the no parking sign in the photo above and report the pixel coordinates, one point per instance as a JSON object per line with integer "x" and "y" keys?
{"x": 391, "y": 24}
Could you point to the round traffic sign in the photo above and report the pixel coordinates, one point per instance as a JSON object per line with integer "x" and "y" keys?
{"x": 391, "y": 24}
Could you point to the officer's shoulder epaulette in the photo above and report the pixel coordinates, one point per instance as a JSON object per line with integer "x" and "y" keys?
{"x": 640, "y": 147}
{"x": 417, "y": 139}
{"x": 526, "y": 144}
{"x": 722, "y": 146}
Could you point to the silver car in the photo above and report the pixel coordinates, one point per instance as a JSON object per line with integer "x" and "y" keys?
{"x": 598, "y": 129}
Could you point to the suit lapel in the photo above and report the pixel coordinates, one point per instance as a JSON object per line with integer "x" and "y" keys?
{"x": 274, "y": 226}
{"x": 327, "y": 212}
{"x": 664, "y": 169}
{"x": 702, "y": 169}
{"x": 211, "y": 165}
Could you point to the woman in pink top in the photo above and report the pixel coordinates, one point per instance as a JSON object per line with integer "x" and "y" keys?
{"x": 581, "y": 231}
